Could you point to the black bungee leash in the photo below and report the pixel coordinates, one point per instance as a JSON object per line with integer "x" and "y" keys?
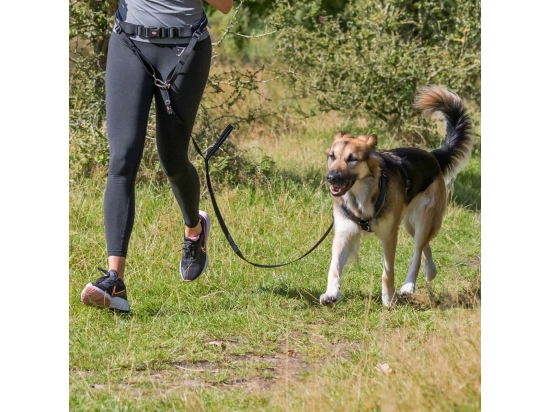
{"x": 209, "y": 153}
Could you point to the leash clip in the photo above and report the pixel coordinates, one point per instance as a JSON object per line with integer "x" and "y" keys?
{"x": 161, "y": 85}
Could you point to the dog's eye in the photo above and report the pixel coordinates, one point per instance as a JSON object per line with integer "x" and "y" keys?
{"x": 351, "y": 158}
{"x": 331, "y": 156}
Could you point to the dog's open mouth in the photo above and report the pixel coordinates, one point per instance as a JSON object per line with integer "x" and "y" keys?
{"x": 340, "y": 190}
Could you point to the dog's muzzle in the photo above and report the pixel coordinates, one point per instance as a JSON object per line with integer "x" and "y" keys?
{"x": 338, "y": 185}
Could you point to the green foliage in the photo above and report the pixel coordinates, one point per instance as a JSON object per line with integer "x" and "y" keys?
{"x": 89, "y": 33}
{"x": 364, "y": 59}
{"x": 370, "y": 57}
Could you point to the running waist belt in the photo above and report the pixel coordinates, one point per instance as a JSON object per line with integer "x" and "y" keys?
{"x": 193, "y": 31}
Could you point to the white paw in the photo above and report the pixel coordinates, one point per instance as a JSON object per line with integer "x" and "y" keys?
{"x": 389, "y": 298}
{"x": 329, "y": 298}
{"x": 430, "y": 271}
{"x": 387, "y": 301}
{"x": 407, "y": 289}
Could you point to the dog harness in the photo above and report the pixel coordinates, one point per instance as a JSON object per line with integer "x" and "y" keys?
{"x": 365, "y": 223}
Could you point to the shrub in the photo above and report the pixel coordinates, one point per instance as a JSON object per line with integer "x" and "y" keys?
{"x": 370, "y": 57}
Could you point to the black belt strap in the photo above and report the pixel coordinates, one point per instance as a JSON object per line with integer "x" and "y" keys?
{"x": 232, "y": 243}
{"x": 155, "y": 32}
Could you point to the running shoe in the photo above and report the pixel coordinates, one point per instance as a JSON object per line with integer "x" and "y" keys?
{"x": 195, "y": 257}
{"x": 108, "y": 292}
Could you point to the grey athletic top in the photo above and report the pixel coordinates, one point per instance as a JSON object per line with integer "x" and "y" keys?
{"x": 161, "y": 13}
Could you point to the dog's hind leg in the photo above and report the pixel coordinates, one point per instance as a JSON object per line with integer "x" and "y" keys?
{"x": 420, "y": 242}
{"x": 345, "y": 244}
{"x": 430, "y": 271}
{"x": 423, "y": 220}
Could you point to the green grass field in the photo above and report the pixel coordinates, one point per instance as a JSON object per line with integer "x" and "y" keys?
{"x": 247, "y": 339}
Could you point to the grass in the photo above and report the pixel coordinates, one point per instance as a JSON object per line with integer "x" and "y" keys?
{"x": 247, "y": 339}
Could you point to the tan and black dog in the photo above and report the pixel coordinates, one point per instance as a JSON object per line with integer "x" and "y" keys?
{"x": 376, "y": 190}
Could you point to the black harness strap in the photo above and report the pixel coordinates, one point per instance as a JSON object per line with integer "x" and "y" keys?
{"x": 195, "y": 32}
{"x": 234, "y": 246}
{"x": 405, "y": 176}
{"x": 365, "y": 223}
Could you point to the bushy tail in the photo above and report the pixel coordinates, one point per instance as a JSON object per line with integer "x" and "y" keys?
{"x": 457, "y": 148}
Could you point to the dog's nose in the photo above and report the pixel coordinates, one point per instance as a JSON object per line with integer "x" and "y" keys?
{"x": 333, "y": 176}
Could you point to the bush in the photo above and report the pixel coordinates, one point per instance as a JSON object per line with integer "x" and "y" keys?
{"x": 370, "y": 58}
{"x": 364, "y": 58}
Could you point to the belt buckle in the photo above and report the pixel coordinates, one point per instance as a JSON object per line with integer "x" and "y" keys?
{"x": 151, "y": 32}
{"x": 117, "y": 27}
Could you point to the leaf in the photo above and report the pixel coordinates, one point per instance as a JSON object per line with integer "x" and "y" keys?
{"x": 384, "y": 368}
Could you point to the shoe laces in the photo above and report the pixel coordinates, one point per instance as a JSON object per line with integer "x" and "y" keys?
{"x": 107, "y": 276}
{"x": 190, "y": 248}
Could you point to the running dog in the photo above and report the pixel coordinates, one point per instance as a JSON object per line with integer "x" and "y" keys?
{"x": 375, "y": 191}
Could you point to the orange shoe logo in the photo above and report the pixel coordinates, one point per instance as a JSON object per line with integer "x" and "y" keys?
{"x": 115, "y": 292}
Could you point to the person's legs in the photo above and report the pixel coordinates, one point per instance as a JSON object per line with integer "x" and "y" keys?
{"x": 129, "y": 92}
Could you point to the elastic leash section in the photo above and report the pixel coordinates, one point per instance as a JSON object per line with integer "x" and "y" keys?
{"x": 225, "y": 134}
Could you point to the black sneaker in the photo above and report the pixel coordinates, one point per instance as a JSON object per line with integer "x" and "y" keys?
{"x": 106, "y": 292}
{"x": 195, "y": 258}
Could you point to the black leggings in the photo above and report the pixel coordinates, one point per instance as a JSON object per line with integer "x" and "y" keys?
{"x": 129, "y": 93}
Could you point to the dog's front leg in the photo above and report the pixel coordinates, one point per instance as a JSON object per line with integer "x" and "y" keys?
{"x": 345, "y": 243}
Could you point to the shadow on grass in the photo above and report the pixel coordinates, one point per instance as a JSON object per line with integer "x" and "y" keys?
{"x": 426, "y": 298}
{"x": 311, "y": 297}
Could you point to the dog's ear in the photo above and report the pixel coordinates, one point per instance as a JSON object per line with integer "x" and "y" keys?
{"x": 339, "y": 135}
{"x": 371, "y": 140}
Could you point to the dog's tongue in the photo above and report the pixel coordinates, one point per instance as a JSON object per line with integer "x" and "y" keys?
{"x": 336, "y": 189}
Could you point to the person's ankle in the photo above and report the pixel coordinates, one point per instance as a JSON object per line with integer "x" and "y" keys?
{"x": 194, "y": 232}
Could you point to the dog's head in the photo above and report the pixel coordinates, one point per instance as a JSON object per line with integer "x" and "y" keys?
{"x": 348, "y": 161}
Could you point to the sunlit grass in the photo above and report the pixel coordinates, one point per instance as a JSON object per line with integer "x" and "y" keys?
{"x": 243, "y": 338}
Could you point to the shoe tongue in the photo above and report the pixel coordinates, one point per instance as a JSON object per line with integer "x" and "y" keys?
{"x": 113, "y": 274}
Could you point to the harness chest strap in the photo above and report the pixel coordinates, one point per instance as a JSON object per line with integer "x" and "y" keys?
{"x": 365, "y": 223}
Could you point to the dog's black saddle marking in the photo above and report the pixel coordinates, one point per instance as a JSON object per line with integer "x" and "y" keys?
{"x": 365, "y": 223}
{"x": 418, "y": 169}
